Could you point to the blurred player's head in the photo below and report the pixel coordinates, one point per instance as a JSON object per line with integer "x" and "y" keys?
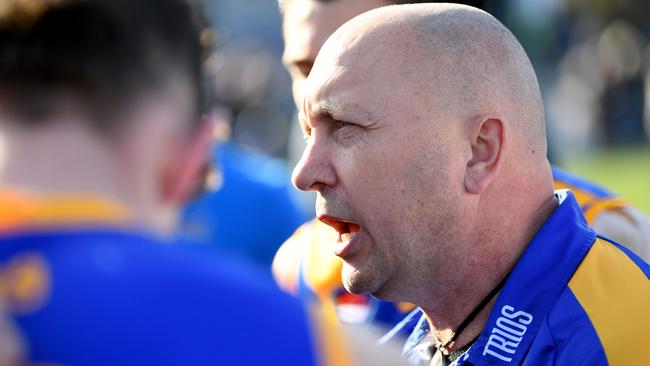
{"x": 308, "y": 23}
{"x": 107, "y": 91}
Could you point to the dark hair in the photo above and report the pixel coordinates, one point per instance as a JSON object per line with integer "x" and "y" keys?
{"x": 104, "y": 53}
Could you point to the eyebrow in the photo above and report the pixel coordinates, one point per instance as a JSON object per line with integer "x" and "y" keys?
{"x": 319, "y": 115}
{"x": 332, "y": 111}
{"x": 326, "y": 110}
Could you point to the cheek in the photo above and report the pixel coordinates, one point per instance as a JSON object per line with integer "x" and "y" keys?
{"x": 373, "y": 183}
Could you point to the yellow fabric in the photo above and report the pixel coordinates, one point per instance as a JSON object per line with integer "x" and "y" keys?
{"x": 24, "y": 282}
{"x": 592, "y": 205}
{"x": 286, "y": 263}
{"x": 322, "y": 268}
{"x": 600, "y": 206}
{"x": 405, "y": 307}
{"x": 615, "y": 294}
{"x": 331, "y": 344}
{"x": 311, "y": 247}
{"x": 20, "y": 209}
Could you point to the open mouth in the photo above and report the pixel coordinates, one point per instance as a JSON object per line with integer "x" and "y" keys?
{"x": 346, "y": 229}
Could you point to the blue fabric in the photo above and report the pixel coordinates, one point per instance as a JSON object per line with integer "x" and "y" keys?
{"x": 119, "y": 298}
{"x": 252, "y": 213}
{"x": 568, "y": 325}
{"x": 545, "y": 323}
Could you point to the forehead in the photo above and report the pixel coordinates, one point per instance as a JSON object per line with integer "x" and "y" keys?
{"x": 354, "y": 79}
{"x": 308, "y": 23}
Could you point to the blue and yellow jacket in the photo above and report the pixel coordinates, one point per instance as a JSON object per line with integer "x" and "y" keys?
{"x": 592, "y": 198}
{"x": 82, "y": 287}
{"x": 573, "y": 298}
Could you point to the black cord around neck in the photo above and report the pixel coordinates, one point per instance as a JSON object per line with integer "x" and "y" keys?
{"x": 473, "y": 314}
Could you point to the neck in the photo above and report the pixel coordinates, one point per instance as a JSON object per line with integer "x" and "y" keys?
{"x": 57, "y": 159}
{"x": 62, "y": 158}
{"x": 485, "y": 274}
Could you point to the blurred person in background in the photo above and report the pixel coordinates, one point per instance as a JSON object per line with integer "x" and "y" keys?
{"x": 101, "y": 142}
{"x": 249, "y": 207}
{"x": 306, "y": 263}
{"x": 436, "y": 178}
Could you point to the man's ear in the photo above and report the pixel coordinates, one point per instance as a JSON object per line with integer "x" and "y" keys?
{"x": 183, "y": 175}
{"x": 487, "y": 141}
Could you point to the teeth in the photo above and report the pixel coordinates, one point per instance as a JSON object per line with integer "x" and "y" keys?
{"x": 346, "y": 237}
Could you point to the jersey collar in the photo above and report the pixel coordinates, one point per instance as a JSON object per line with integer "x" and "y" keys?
{"x": 23, "y": 209}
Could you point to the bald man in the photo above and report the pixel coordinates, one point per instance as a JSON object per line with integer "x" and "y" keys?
{"x": 427, "y": 151}
{"x": 306, "y": 263}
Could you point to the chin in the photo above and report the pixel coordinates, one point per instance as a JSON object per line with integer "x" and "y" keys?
{"x": 360, "y": 282}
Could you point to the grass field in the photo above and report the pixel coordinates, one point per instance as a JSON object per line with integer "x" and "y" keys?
{"x": 624, "y": 171}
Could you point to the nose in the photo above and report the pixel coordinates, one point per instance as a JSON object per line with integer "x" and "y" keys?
{"x": 314, "y": 171}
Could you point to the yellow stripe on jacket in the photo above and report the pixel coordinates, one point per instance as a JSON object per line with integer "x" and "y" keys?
{"x": 615, "y": 294}
{"x": 592, "y": 205}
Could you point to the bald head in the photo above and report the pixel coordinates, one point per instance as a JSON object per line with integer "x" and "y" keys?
{"x": 456, "y": 56}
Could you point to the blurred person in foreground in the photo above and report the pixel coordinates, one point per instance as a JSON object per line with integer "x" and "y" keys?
{"x": 100, "y": 104}
{"x": 436, "y": 179}
{"x": 306, "y": 263}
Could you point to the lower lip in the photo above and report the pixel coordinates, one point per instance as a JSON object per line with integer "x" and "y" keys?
{"x": 347, "y": 249}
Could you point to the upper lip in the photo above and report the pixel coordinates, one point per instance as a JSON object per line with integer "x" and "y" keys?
{"x": 343, "y": 226}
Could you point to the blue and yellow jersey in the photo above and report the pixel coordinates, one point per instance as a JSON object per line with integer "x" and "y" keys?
{"x": 81, "y": 286}
{"x": 573, "y": 298}
{"x": 592, "y": 198}
{"x": 608, "y": 214}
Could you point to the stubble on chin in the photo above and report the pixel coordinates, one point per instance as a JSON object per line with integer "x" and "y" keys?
{"x": 354, "y": 280}
{"x": 363, "y": 280}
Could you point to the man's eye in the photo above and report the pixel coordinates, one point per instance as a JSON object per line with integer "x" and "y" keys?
{"x": 341, "y": 125}
{"x": 305, "y": 70}
{"x": 301, "y": 68}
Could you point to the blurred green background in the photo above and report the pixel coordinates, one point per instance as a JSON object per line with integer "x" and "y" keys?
{"x": 624, "y": 171}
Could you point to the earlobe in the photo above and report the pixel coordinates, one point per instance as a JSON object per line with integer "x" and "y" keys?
{"x": 487, "y": 143}
{"x": 185, "y": 172}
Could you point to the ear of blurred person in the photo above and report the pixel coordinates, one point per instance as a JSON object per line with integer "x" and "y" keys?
{"x": 247, "y": 185}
